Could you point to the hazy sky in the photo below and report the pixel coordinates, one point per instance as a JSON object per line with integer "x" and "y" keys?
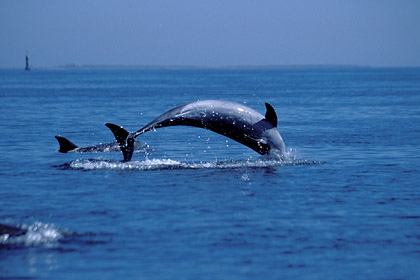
{"x": 210, "y": 33}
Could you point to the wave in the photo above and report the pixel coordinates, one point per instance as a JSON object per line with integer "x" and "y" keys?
{"x": 162, "y": 164}
{"x": 35, "y": 234}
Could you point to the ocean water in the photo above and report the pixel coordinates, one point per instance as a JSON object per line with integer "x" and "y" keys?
{"x": 197, "y": 205}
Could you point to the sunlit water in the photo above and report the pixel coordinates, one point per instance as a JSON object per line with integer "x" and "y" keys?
{"x": 345, "y": 204}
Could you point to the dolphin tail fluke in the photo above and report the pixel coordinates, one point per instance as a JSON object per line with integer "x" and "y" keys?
{"x": 65, "y": 144}
{"x": 124, "y": 139}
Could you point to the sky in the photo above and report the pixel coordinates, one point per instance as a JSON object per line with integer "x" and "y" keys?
{"x": 213, "y": 33}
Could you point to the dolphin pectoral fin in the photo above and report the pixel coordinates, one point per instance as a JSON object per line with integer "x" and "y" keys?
{"x": 124, "y": 139}
{"x": 271, "y": 115}
{"x": 65, "y": 144}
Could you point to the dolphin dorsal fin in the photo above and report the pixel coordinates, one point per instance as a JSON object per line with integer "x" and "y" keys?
{"x": 271, "y": 115}
{"x": 65, "y": 144}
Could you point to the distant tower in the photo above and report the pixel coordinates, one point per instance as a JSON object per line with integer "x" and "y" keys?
{"x": 27, "y": 62}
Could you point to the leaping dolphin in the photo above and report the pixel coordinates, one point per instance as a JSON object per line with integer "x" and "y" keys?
{"x": 230, "y": 119}
{"x": 67, "y": 146}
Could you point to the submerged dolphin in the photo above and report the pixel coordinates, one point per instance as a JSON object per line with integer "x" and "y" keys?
{"x": 67, "y": 146}
{"x": 11, "y": 231}
{"x": 230, "y": 119}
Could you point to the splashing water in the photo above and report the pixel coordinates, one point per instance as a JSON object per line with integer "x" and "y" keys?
{"x": 162, "y": 164}
{"x": 34, "y": 235}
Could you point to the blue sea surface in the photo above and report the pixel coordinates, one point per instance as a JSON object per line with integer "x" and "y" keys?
{"x": 197, "y": 205}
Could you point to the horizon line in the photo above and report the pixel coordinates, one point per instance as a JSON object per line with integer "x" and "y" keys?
{"x": 198, "y": 67}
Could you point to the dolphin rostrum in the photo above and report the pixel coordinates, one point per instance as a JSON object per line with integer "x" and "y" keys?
{"x": 230, "y": 119}
{"x": 67, "y": 146}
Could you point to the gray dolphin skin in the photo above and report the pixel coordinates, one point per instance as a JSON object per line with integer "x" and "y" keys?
{"x": 67, "y": 146}
{"x": 230, "y": 119}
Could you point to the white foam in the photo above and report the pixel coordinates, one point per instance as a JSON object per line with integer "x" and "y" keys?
{"x": 153, "y": 164}
{"x": 161, "y": 164}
